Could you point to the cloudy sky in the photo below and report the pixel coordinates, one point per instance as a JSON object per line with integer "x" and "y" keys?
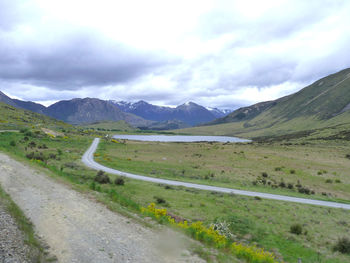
{"x": 216, "y": 53}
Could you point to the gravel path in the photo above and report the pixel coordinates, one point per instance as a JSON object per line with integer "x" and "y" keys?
{"x": 80, "y": 230}
{"x": 12, "y": 247}
{"x": 88, "y": 160}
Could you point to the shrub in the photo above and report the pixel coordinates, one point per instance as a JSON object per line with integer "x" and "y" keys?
{"x": 52, "y": 156}
{"x": 36, "y": 156}
{"x": 102, "y": 178}
{"x": 342, "y": 245}
{"x": 12, "y": 143}
{"x": 32, "y": 144}
{"x": 160, "y": 200}
{"x": 292, "y": 171}
{"x": 264, "y": 174}
{"x": 119, "y": 181}
{"x": 59, "y": 151}
{"x": 282, "y": 184}
{"x": 290, "y": 186}
{"x": 304, "y": 190}
{"x": 298, "y": 185}
{"x": 347, "y": 156}
{"x": 28, "y": 133}
{"x": 71, "y": 165}
{"x": 296, "y": 229}
{"x": 329, "y": 181}
{"x": 278, "y": 169}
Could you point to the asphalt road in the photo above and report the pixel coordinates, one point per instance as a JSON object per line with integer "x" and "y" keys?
{"x": 88, "y": 160}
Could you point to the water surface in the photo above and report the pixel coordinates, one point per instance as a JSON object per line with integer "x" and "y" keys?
{"x": 178, "y": 138}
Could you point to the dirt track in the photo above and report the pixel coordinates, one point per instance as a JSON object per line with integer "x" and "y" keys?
{"x": 81, "y": 230}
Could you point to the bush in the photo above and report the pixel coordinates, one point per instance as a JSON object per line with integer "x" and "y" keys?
{"x": 296, "y": 229}
{"x": 298, "y": 185}
{"x": 32, "y": 144}
{"x": 290, "y": 186}
{"x": 282, "y": 184}
{"x": 28, "y": 133}
{"x": 36, "y": 156}
{"x": 119, "y": 181}
{"x": 329, "y": 181}
{"x": 71, "y": 165}
{"x": 292, "y": 171}
{"x": 160, "y": 200}
{"x": 342, "y": 245}
{"x": 304, "y": 190}
{"x": 52, "y": 156}
{"x": 102, "y": 178}
{"x": 13, "y": 143}
{"x": 264, "y": 174}
{"x": 278, "y": 169}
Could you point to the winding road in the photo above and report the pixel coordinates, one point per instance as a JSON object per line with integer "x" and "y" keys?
{"x": 88, "y": 160}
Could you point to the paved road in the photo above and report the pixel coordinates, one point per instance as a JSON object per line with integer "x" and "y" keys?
{"x": 88, "y": 160}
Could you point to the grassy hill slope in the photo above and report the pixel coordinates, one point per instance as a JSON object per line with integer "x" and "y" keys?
{"x": 323, "y": 104}
{"x": 15, "y": 118}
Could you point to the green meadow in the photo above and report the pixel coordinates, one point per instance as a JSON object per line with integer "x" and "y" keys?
{"x": 252, "y": 221}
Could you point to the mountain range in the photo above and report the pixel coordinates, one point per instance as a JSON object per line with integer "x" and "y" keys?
{"x": 139, "y": 114}
{"x": 189, "y": 113}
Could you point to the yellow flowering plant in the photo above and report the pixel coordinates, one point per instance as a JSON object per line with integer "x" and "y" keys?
{"x": 211, "y": 236}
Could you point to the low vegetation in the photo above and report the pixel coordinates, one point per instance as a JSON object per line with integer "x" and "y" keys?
{"x": 274, "y": 167}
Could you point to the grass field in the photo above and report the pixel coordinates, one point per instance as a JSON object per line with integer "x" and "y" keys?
{"x": 252, "y": 221}
{"x": 320, "y": 168}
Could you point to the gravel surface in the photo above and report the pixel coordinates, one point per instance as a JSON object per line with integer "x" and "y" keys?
{"x": 12, "y": 247}
{"x": 88, "y": 160}
{"x": 80, "y": 230}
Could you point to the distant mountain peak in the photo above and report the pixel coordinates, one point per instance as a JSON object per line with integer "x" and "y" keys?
{"x": 189, "y": 112}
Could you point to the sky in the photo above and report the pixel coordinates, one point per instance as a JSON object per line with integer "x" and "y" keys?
{"x": 217, "y": 53}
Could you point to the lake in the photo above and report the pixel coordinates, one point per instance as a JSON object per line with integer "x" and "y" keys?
{"x": 178, "y": 138}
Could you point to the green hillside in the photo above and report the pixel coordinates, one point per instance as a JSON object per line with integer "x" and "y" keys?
{"x": 324, "y": 103}
{"x": 15, "y": 118}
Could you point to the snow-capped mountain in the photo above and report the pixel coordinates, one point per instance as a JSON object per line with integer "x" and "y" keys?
{"x": 189, "y": 113}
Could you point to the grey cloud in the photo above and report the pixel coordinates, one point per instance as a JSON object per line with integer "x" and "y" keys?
{"x": 79, "y": 61}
